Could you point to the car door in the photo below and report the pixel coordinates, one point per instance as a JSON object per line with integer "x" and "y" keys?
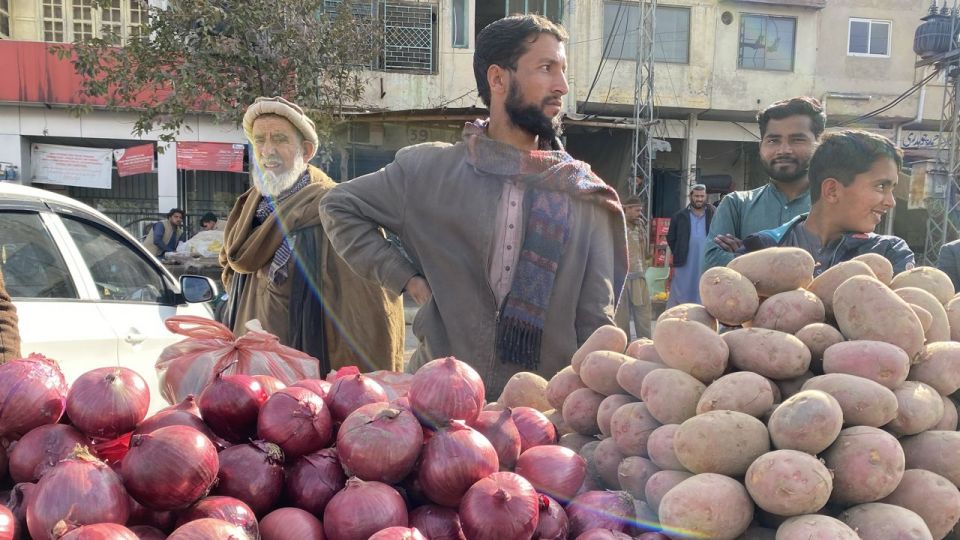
{"x": 58, "y": 315}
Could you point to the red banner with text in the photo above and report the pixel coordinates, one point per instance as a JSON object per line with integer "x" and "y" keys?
{"x": 202, "y": 156}
{"x": 134, "y": 160}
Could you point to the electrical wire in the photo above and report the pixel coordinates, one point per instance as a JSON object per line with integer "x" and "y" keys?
{"x": 606, "y": 50}
{"x": 896, "y": 101}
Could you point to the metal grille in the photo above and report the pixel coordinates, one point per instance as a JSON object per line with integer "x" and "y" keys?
{"x": 408, "y": 37}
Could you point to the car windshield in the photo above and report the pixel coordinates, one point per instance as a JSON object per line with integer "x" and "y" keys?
{"x": 30, "y": 261}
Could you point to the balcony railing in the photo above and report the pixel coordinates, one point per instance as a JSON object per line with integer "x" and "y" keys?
{"x": 409, "y": 32}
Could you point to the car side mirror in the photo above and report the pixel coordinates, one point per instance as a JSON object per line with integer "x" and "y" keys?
{"x": 197, "y": 289}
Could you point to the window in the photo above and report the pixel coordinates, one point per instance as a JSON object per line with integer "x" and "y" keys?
{"x": 119, "y": 271}
{"x": 71, "y": 20}
{"x": 29, "y": 259}
{"x": 488, "y": 11}
{"x": 671, "y": 29}
{"x": 766, "y": 42}
{"x": 4, "y": 18}
{"x": 459, "y": 24}
{"x": 868, "y": 37}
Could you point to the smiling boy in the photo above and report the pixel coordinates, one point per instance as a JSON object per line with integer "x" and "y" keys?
{"x": 852, "y": 177}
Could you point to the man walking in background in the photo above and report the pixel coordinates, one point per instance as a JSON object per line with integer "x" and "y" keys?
{"x": 635, "y": 300}
{"x": 687, "y": 237}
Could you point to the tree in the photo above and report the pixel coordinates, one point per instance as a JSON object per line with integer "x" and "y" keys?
{"x": 217, "y": 56}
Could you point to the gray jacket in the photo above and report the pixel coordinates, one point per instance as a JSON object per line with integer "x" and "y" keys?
{"x": 949, "y": 262}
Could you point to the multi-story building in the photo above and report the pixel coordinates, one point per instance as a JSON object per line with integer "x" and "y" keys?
{"x": 717, "y": 63}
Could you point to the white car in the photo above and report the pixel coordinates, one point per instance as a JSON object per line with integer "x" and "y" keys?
{"x": 87, "y": 293}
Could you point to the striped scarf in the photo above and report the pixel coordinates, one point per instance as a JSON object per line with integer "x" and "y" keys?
{"x": 553, "y": 178}
{"x": 278, "y": 272}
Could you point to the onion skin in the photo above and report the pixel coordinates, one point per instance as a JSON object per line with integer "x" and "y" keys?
{"x": 297, "y": 420}
{"x": 399, "y": 533}
{"x": 319, "y": 387}
{"x": 553, "y": 524}
{"x": 363, "y": 508}
{"x": 209, "y": 529}
{"x": 170, "y": 468}
{"x": 252, "y": 473}
{"x": 271, "y": 384}
{"x": 17, "y": 504}
{"x": 502, "y": 506}
{"x": 499, "y": 428}
{"x": 453, "y": 460}
{"x": 350, "y": 393}
{"x": 534, "y": 427}
{"x": 105, "y": 403}
{"x": 313, "y": 480}
{"x": 146, "y": 532}
{"x": 185, "y": 413}
{"x": 377, "y": 442}
{"x": 141, "y": 515}
{"x": 230, "y": 405}
{"x": 8, "y": 524}
{"x": 603, "y": 534}
{"x": 554, "y": 470}
{"x": 226, "y": 508}
{"x": 80, "y": 489}
{"x": 446, "y": 389}
{"x": 41, "y": 449}
{"x": 33, "y": 392}
{"x": 437, "y": 522}
{"x": 612, "y": 510}
{"x": 99, "y": 531}
{"x": 291, "y": 524}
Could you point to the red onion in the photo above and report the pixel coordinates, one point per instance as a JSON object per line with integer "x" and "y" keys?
{"x": 80, "y": 489}
{"x": 502, "y": 506}
{"x": 314, "y": 479}
{"x": 226, "y": 508}
{"x": 8, "y": 524}
{"x": 554, "y": 470}
{"x": 437, "y": 522}
{"x": 252, "y": 473}
{"x": 270, "y": 384}
{"x": 453, "y": 460}
{"x": 377, "y": 442}
{"x": 141, "y": 515}
{"x": 446, "y": 389}
{"x": 209, "y": 529}
{"x": 350, "y": 393}
{"x": 108, "y": 402}
{"x": 297, "y": 420}
{"x": 361, "y": 509}
{"x": 185, "y": 413}
{"x": 33, "y": 392}
{"x": 603, "y": 534}
{"x": 553, "y": 524}
{"x": 319, "y": 387}
{"x": 146, "y": 532}
{"x": 399, "y": 533}
{"x": 290, "y": 524}
{"x": 99, "y": 531}
{"x": 600, "y": 510}
{"x": 498, "y": 427}
{"x": 652, "y": 536}
{"x": 170, "y": 468}
{"x": 17, "y": 503}
{"x": 402, "y": 402}
{"x": 534, "y": 427}
{"x": 42, "y": 448}
{"x": 230, "y": 405}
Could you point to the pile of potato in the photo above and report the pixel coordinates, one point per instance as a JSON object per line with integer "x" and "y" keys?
{"x": 826, "y": 414}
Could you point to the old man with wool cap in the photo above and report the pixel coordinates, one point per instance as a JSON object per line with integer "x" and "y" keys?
{"x": 279, "y": 267}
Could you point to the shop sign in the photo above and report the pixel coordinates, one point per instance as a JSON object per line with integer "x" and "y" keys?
{"x": 71, "y": 165}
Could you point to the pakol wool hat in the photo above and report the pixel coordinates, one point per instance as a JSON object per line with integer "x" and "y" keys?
{"x": 281, "y": 107}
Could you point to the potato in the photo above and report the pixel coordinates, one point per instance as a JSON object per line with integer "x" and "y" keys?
{"x": 580, "y": 411}
{"x": 935, "y": 451}
{"x": 953, "y": 316}
{"x": 919, "y": 408}
{"x": 606, "y": 459}
{"x": 526, "y": 389}
{"x": 825, "y": 285}
{"x": 743, "y": 391}
{"x": 599, "y": 371}
{"x": 932, "y": 497}
{"x": 933, "y": 280}
{"x": 561, "y": 385}
{"x": 770, "y": 353}
{"x": 608, "y": 406}
{"x": 878, "y": 361}
{"x": 633, "y": 473}
{"x": 630, "y": 427}
{"x": 605, "y": 338}
{"x": 881, "y": 266}
{"x": 643, "y": 349}
{"x": 671, "y": 395}
{"x": 789, "y": 483}
{"x": 728, "y": 296}
{"x": 863, "y": 402}
{"x": 660, "y": 483}
{"x": 815, "y": 527}
{"x": 939, "y": 366}
{"x": 722, "y": 442}
{"x": 690, "y": 312}
{"x": 867, "y": 465}
{"x": 660, "y": 448}
{"x": 575, "y": 441}
{"x": 691, "y": 347}
{"x": 808, "y": 421}
{"x": 950, "y": 416}
{"x": 775, "y": 270}
{"x": 926, "y": 319}
{"x": 789, "y": 311}
{"x": 939, "y": 329}
{"x": 882, "y": 521}
{"x": 556, "y": 418}
{"x": 789, "y": 387}
{"x": 707, "y": 506}
{"x": 631, "y": 374}
{"x": 818, "y": 337}
{"x": 867, "y": 309}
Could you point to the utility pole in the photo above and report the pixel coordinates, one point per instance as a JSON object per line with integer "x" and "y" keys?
{"x": 641, "y": 181}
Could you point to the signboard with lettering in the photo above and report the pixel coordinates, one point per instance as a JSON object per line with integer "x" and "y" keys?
{"x": 203, "y": 156}
{"x": 134, "y": 160}
{"x": 71, "y": 165}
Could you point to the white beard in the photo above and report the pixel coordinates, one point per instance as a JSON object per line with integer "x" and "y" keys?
{"x": 272, "y": 183}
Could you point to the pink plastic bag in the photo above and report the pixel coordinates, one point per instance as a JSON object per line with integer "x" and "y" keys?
{"x": 186, "y": 367}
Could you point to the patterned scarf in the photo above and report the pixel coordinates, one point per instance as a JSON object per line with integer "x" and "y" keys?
{"x": 553, "y": 178}
{"x": 278, "y": 272}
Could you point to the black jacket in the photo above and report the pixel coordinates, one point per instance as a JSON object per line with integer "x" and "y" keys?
{"x": 678, "y": 237}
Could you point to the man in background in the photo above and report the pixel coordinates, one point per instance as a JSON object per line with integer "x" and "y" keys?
{"x": 635, "y": 301}
{"x": 164, "y": 235}
{"x": 687, "y": 238}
